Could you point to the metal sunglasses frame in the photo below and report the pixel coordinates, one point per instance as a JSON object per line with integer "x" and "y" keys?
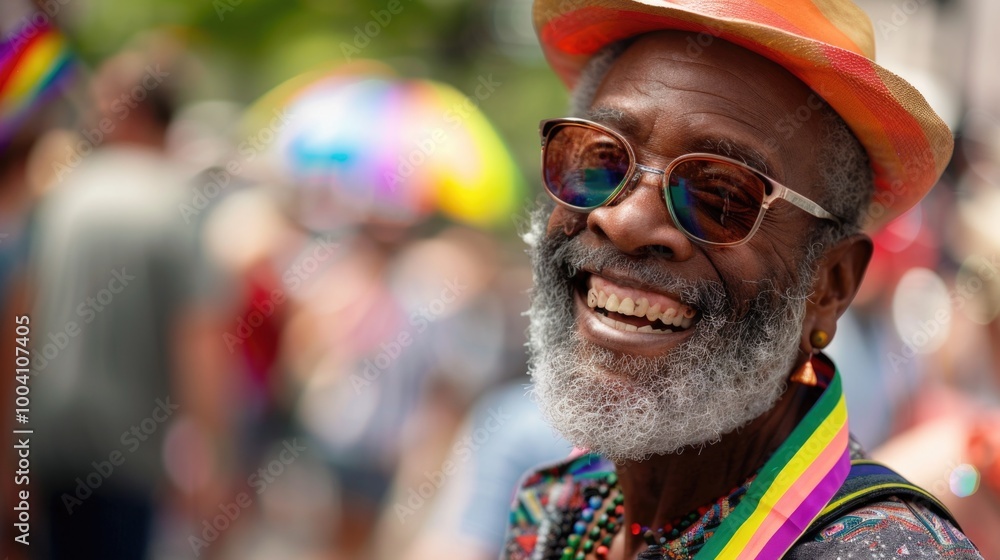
{"x": 778, "y": 191}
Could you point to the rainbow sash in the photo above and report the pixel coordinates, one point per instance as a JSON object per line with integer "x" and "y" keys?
{"x": 792, "y": 488}
{"x": 34, "y": 63}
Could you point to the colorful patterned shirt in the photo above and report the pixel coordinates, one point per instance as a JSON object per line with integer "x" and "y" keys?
{"x": 550, "y": 499}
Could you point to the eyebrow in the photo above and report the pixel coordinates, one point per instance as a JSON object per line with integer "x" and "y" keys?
{"x": 735, "y": 150}
{"x": 620, "y": 120}
{"x": 626, "y": 124}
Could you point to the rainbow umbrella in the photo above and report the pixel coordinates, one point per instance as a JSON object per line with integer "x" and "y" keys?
{"x": 376, "y": 147}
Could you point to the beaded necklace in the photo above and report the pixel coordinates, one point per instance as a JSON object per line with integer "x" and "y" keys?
{"x": 603, "y": 507}
{"x": 676, "y": 537}
{"x": 589, "y": 529}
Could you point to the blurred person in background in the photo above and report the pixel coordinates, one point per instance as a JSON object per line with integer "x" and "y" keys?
{"x": 430, "y": 338}
{"x": 462, "y": 454}
{"x": 262, "y": 249}
{"x": 126, "y": 311}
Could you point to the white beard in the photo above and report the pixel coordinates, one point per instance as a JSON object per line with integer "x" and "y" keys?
{"x": 729, "y": 372}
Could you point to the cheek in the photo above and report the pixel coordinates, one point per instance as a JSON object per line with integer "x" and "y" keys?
{"x": 738, "y": 275}
{"x": 746, "y": 271}
{"x": 568, "y": 221}
{"x": 781, "y": 247}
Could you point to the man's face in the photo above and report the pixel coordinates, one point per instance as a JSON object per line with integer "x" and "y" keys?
{"x": 604, "y": 379}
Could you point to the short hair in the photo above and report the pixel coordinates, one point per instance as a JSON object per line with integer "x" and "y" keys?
{"x": 843, "y": 163}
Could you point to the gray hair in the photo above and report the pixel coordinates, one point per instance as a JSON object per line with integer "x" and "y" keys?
{"x": 844, "y": 167}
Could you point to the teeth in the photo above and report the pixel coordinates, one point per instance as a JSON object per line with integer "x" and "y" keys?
{"x": 617, "y": 324}
{"x": 653, "y": 313}
{"x": 626, "y": 307}
{"x": 641, "y": 307}
{"x": 668, "y": 316}
{"x": 682, "y": 317}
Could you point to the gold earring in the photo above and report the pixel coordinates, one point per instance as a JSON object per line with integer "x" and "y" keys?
{"x": 819, "y": 338}
{"x": 805, "y": 375}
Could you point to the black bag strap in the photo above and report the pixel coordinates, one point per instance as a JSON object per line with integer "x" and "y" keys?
{"x": 870, "y": 482}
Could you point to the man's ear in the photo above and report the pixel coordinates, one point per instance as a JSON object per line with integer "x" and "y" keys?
{"x": 838, "y": 277}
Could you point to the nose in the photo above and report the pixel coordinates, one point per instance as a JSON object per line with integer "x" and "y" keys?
{"x": 638, "y": 221}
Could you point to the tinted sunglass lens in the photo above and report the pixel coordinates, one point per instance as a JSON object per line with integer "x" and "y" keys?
{"x": 583, "y": 166}
{"x": 715, "y": 201}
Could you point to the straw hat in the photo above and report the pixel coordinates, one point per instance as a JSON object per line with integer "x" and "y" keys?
{"x": 828, "y": 44}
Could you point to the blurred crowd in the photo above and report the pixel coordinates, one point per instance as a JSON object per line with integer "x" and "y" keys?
{"x": 293, "y": 328}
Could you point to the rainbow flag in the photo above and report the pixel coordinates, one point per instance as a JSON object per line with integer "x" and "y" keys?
{"x": 793, "y": 487}
{"x": 35, "y": 62}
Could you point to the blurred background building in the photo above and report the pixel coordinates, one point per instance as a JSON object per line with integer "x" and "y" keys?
{"x": 270, "y": 255}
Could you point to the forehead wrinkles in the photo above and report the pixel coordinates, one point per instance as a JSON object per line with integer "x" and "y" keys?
{"x": 682, "y": 69}
{"x": 727, "y": 90}
{"x": 759, "y": 76}
{"x": 755, "y": 100}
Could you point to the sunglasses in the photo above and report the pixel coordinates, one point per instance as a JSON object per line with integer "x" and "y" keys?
{"x": 713, "y": 199}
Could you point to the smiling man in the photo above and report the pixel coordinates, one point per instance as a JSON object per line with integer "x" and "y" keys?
{"x": 705, "y": 232}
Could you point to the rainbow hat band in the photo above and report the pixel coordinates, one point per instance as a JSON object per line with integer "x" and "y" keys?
{"x": 828, "y": 44}
{"x": 34, "y": 63}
